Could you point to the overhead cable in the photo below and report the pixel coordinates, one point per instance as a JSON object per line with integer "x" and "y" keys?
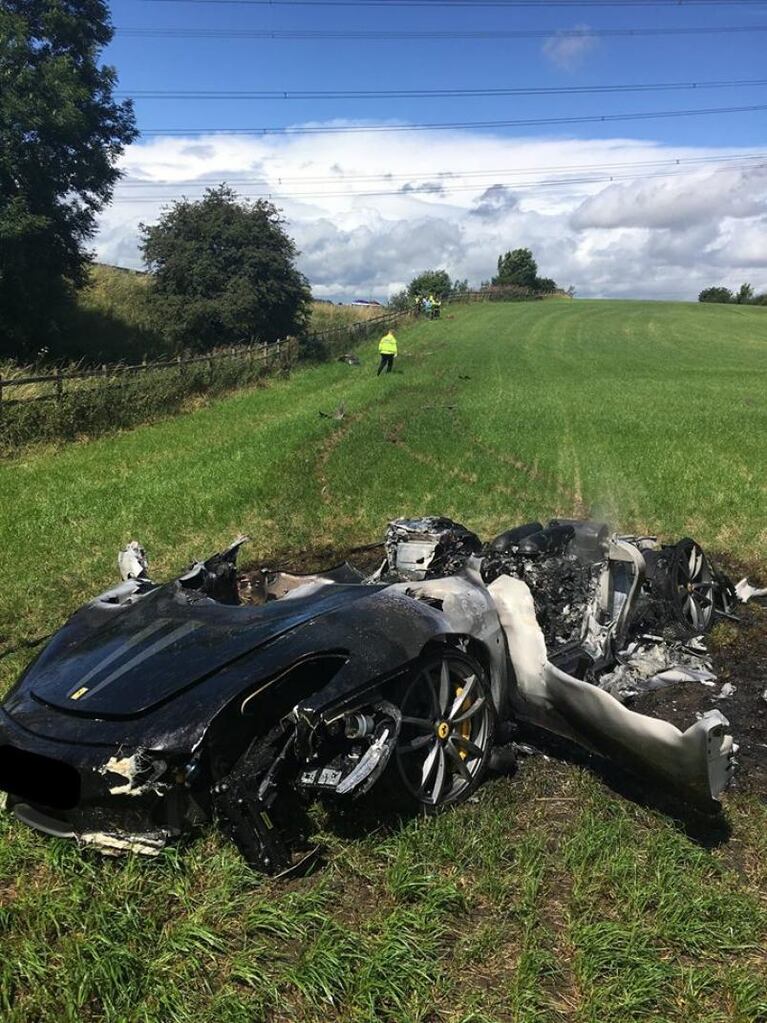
{"x": 431, "y": 35}
{"x": 287, "y": 94}
{"x": 560, "y": 4}
{"x": 452, "y": 175}
{"x": 438, "y": 191}
{"x": 357, "y": 129}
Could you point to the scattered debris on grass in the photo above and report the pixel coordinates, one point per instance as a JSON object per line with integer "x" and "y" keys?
{"x": 339, "y": 413}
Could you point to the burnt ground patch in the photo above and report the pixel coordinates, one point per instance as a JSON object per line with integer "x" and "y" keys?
{"x": 739, "y": 655}
{"x": 366, "y": 558}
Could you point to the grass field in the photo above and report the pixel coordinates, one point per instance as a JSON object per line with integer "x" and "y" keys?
{"x": 551, "y": 898}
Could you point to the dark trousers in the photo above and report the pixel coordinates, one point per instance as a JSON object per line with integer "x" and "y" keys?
{"x": 387, "y": 361}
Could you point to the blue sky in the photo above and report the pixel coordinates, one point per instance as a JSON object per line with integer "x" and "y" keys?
{"x": 593, "y": 235}
{"x": 418, "y": 62}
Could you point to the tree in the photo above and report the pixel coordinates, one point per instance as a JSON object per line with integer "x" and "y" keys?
{"x": 400, "y": 301}
{"x": 716, "y": 294}
{"x": 516, "y": 267}
{"x": 61, "y": 133}
{"x": 223, "y": 271}
{"x": 545, "y": 285}
{"x": 745, "y": 294}
{"x": 431, "y": 282}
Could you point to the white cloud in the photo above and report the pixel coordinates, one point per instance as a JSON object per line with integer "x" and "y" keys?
{"x": 457, "y": 200}
{"x": 677, "y": 203}
{"x": 568, "y": 51}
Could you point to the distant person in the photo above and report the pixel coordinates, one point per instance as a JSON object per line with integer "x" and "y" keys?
{"x": 427, "y": 308}
{"x": 418, "y": 305}
{"x": 436, "y": 306}
{"x": 387, "y": 349}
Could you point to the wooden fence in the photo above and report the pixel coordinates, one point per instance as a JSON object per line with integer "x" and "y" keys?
{"x": 55, "y": 383}
{"x": 359, "y": 330}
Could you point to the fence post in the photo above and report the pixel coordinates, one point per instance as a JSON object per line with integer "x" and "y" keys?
{"x": 59, "y": 384}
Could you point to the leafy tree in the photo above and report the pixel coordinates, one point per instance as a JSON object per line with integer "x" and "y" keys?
{"x": 60, "y": 135}
{"x": 716, "y": 294}
{"x": 545, "y": 285}
{"x": 516, "y": 267}
{"x": 431, "y": 282}
{"x": 745, "y": 294}
{"x": 400, "y": 301}
{"x": 223, "y": 271}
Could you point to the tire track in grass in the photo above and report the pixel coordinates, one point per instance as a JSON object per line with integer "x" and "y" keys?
{"x": 536, "y": 475}
{"x": 473, "y": 479}
{"x": 327, "y": 449}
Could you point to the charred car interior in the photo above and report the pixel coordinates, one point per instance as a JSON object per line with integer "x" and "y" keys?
{"x": 159, "y": 707}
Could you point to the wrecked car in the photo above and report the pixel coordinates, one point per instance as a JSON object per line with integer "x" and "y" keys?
{"x": 159, "y": 707}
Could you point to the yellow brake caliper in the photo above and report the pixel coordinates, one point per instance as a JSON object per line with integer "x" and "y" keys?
{"x": 464, "y": 728}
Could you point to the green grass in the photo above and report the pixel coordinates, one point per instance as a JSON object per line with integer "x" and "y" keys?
{"x": 550, "y": 898}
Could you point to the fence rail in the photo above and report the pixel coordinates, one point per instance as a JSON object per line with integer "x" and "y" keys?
{"x": 284, "y": 352}
{"x": 351, "y": 332}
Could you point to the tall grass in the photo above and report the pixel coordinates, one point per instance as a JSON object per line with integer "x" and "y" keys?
{"x": 324, "y": 316}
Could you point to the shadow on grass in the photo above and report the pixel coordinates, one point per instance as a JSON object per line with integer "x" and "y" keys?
{"x": 100, "y": 335}
{"x": 707, "y": 826}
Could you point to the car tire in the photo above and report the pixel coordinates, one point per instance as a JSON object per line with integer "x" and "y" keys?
{"x": 448, "y": 730}
{"x": 690, "y": 588}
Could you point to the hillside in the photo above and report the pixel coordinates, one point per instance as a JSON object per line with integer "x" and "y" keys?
{"x": 118, "y": 294}
{"x": 553, "y": 897}
{"x": 112, "y": 322}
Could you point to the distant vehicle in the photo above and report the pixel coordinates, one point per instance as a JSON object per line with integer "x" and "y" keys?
{"x": 365, "y": 301}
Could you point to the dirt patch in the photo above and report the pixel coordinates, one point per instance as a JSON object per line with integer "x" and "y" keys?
{"x": 739, "y": 655}
{"x": 366, "y": 558}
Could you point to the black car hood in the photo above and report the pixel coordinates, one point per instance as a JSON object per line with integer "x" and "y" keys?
{"x": 122, "y": 662}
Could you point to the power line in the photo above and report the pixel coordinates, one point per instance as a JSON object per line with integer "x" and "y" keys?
{"x": 572, "y": 4}
{"x": 436, "y": 192}
{"x": 457, "y": 125}
{"x": 284, "y": 94}
{"x": 430, "y": 176}
{"x": 430, "y": 36}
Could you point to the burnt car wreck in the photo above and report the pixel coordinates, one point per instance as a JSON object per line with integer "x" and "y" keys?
{"x": 159, "y": 707}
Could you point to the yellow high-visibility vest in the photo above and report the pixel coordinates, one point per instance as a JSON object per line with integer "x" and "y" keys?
{"x": 387, "y": 345}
